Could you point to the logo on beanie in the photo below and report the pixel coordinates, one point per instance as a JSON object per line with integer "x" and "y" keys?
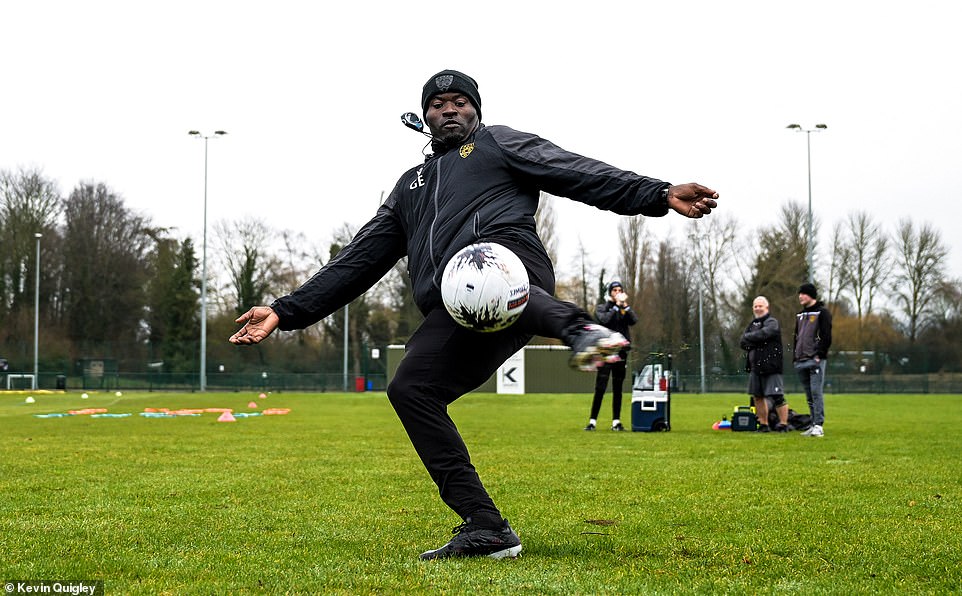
{"x": 444, "y": 81}
{"x": 466, "y": 150}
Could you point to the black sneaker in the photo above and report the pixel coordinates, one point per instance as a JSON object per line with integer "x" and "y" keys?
{"x": 618, "y": 427}
{"x": 763, "y": 428}
{"x": 590, "y": 426}
{"x": 471, "y": 540}
{"x": 781, "y": 428}
{"x": 593, "y": 346}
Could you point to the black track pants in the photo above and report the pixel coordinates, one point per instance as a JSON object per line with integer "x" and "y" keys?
{"x": 442, "y": 362}
{"x": 617, "y": 372}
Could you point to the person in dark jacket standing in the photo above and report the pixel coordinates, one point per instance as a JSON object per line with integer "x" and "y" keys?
{"x": 482, "y": 183}
{"x": 813, "y": 338}
{"x": 762, "y": 341}
{"x": 615, "y": 314}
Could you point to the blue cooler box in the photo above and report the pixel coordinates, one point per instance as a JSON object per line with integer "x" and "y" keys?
{"x": 650, "y": 411}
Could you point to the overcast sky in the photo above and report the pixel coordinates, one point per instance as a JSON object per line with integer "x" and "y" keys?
{"x": 311, "y": 93}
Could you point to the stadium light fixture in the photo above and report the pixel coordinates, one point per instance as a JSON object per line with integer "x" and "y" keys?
{"x": 203, "y": 275}
{"x": 808, "y": 142}
{"x": 36, "y": 317}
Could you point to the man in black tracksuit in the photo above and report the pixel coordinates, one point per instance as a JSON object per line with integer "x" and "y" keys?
{"x": 481, "y": 184}
{"x": 762, "y": 342}
{"x": 615, "y": 314}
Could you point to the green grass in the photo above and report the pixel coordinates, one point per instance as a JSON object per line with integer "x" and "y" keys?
{"x": 332, "y": 499}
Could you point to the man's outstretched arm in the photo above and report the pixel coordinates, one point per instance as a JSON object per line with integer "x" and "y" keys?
{"x": 259, "y": 322}
{"x": 692, "y": 200}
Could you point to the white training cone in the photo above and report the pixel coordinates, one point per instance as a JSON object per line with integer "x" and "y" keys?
{"x": 29, "y": 399}
{"x": 227, "y": 417}
{"x": 84, "y": 396}
{"x": 118, "y": 394}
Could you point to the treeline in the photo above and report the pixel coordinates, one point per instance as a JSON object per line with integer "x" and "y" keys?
{"x": 895, "y": 308}
{"x": 112, "y": 285}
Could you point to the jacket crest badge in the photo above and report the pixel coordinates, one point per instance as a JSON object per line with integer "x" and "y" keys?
{"x": 466, "y": 150}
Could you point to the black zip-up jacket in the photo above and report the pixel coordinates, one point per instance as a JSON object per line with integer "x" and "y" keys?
{"x": 763, "y": 342}
{"x": 486, "y": 188}
{"x": 616, "y": 318}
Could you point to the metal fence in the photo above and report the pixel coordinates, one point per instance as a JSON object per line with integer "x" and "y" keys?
{"x": 335, "y": 382}
{"x": 834, "y": 383}
{"x": 305, "y": 382}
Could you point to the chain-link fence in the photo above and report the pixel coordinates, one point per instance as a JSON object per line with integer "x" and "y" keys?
{"x": 539, "y": 379}
{"x": 848, "y": 383}
{"x": 266, "y": 382}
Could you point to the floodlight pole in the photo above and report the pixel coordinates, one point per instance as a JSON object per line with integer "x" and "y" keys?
{"x": 701, "y": 319}
{"x": 808, "y": 143}
{"x": 701, "y": 333}
{"x": 203, "y": 275}
{"x": 347, "y": 310}
{"x": 36, "y": 318}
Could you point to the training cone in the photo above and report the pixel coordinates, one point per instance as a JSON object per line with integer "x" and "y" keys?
{"x": 252, "y": 405}
{"x": 29, "y": 399}
{"x": 227, "y": 417}
{"x": 262, "y": 396}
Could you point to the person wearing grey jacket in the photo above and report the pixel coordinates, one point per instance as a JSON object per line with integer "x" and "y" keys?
{"x": 813, "y": 338}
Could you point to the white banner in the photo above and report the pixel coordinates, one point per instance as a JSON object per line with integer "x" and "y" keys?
{"x": 511, "y": 374}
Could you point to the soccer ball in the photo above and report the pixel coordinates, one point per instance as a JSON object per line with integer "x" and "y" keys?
{"x": 485, "y": 287}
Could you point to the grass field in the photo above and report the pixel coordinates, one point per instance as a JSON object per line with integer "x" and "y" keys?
{"x": 332, "y": 499}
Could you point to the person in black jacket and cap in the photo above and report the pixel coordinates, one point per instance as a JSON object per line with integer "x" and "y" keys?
{"x": 616, "y": 314}
{"x": 813, "y": 338}
{"x": 481, "y": 184}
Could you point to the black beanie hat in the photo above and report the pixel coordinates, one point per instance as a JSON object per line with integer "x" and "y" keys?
{"x": 450, "y": 81}
{"x": 808, "y": 290}
{"x": 614, "y": 284}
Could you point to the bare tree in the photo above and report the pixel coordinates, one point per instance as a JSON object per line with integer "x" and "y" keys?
{"x": 940, "y": 340}
{"x": 576, "y": 288}
{"x": 635, "y": 249}
{"x": 29, "y": 204}
{"x": 172, "y": 297}
{"x": 864, "y": 251}
{"x": 839, "y": 265}
{"x": 920, "y": 270}
{"x": 296, "y": 260}
{"x": 712, "y": 246}
{"x": 670, "y": 324}
{"x": 780, "y": 265}
{"x": 250, "y": 267}
{"x": 106, "y": 259}
{"x": 546, "y": 222}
